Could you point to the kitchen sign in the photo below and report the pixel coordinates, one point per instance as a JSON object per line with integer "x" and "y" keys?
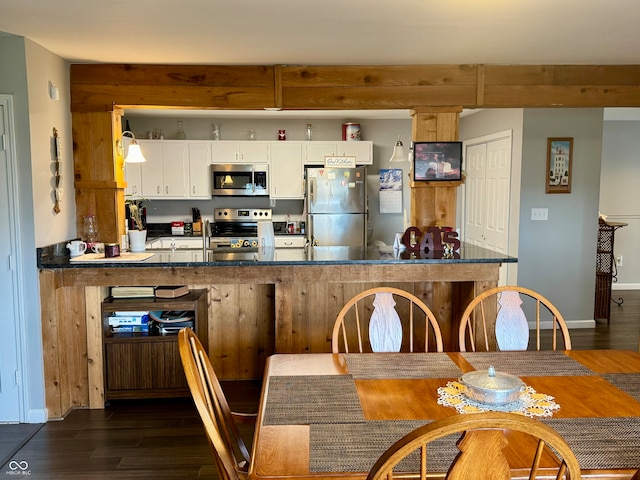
{"x": 340, "y": 162}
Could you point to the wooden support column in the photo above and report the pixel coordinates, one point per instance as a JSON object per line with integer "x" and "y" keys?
{"x": 434, "y": 203}
{"x": 98, "y": 168}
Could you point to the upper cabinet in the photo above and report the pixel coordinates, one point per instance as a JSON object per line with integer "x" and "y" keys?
{"x": 199, "y": 178}
{"x": 132, "y": 174}
{"x": 174, "y": 169}
{"x": 286, "y": 171}
{"x": 239, "y": 152}
{"x": 316, "y": 151}
{"x": 164, "y": 174}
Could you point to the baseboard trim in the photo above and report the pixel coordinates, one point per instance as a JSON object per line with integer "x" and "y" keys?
{"x": 38, "y": 415}
{"x": 571, "y": 324}
{"x": 625, "y": 286}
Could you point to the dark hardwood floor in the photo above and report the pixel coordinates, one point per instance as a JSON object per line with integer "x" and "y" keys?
{"x": 164, "y": 439}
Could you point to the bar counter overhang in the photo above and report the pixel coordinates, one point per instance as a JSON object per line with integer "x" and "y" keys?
{"x": 257, "y": 305}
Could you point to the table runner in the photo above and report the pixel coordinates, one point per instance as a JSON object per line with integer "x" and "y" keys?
{"x": 401, "y": 365}
{"x": 356, "y": 447}
{"x": 601, "y": 443}
{"x": 301, "y": 400}
{"x": 627, "y": 382}
{"x": 529, "y": 364}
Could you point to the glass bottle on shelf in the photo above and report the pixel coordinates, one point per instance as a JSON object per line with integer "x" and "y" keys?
{"x": 181, "y": 135}
{"x": 308, "y": 135}
{"x": 90, "y": 229}
{"x": 215, "y": 131}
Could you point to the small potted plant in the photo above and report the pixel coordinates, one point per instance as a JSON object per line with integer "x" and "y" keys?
{"x": 137, "y": 234}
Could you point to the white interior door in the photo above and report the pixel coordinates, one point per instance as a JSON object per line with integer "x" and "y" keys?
{"x": 498, "y": 180}
{"x": 9, "y": 388}
{"x": 475, "y": 159}
{"x": 487, "y": 194}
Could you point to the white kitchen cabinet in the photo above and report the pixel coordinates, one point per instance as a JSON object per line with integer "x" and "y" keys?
{"x": 199, "y": 170}
{"x": 316, "y": 151}
{"x": 132, "y": 173}
{"x": 290, "y": 241}
{"x": 133, "y": 177}
{"x": 286, "y": 171}
{"x": 290, "y": 254}
{"x": 363, "y": 151}
{"x": 180, "y": 242}
{"x": 164, "y": 174}
{"x": 239, "y": 152}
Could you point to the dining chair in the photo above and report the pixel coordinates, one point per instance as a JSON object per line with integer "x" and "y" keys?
{"x": 481, "y": 455}
{"x": 378, "y": 307}
{"x": 511, "y": 326}
{"x": 229, "y": 450}
{"x": 636, "y": 476}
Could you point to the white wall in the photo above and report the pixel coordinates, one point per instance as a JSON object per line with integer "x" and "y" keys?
{"x": 557, "y": 257}
{"x": 44, "y": 114}
{"x": 620, "y": 195}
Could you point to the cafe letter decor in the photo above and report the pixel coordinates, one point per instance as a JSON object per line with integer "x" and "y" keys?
{"x": 435, "y": 239}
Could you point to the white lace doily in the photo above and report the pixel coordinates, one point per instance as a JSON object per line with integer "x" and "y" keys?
{"x": 531, "y": 403}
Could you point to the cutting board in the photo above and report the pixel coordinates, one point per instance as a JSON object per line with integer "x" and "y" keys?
{"x": 100, "y": 258}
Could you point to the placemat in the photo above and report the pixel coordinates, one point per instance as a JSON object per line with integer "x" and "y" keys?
{"x": 401, "y": 365}
{"x": 627, "y": 382}
{"x": 301, "y": 400}
{"x": 601, "y": 443}
{"x": 356, "y": 447}
{"x": 528, "y": 364}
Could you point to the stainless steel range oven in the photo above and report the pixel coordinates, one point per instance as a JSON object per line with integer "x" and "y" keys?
{"x": 237, "y": 227}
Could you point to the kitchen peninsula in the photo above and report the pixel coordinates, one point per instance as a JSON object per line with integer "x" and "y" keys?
{"x": 259, "y": 303}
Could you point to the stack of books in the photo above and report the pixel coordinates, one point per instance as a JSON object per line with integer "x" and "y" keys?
{"x": 171, "y": 291}
{"x": 129, "y": 322}
{"x": 132, "y": 292}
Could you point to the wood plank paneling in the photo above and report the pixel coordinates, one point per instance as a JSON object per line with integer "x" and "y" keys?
{"x": 51, "y": 359}
{"x": 363, "y": 98}
{"x": 172, "y": 75}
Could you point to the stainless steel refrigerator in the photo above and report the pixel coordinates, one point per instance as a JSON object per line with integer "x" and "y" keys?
{"x": 336, "y": 206}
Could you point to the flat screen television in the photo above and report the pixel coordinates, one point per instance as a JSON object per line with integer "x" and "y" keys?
{"x": 437, "y": 161}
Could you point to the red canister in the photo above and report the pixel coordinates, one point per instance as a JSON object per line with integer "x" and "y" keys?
{"x": 351, "y": 131}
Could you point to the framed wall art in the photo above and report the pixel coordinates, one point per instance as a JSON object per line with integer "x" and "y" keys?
{"x": 559, "y": 158}
{"x": 437, "y": 161}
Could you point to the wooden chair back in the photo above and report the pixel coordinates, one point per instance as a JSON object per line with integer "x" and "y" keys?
{"x": 229, "y": 450}
{"x": 477, "y": 324}
{"x": 482, "y": 457}
{"x": 351, "y": 332}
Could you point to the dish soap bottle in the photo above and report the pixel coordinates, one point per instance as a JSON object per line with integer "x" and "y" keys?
{"x": 181, "y": 135}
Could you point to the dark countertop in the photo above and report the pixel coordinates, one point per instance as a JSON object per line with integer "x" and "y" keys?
{"x": 284, "y": 256}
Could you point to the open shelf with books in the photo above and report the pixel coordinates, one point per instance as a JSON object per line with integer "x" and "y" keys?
{"x": 140, "y": 344}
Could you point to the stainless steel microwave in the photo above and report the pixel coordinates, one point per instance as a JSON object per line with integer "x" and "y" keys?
{"x": 239, "y": 179}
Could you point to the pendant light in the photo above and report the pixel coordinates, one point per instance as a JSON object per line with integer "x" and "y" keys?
{"x": 134, "y": 154}
{"x": 398, "y": 152}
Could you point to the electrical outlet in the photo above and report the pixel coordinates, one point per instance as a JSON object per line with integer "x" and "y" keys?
{"x": 619, "y": 261}
{"x": 540, "y": 214}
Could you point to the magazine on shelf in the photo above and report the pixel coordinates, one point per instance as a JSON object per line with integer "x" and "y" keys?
{"x": 171, "y": 317}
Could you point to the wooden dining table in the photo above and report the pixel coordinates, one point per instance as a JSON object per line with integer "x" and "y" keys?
{"x": 330, "y": 416}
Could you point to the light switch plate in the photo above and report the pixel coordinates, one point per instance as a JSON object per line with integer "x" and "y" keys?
{"x": 540, "y": 214}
